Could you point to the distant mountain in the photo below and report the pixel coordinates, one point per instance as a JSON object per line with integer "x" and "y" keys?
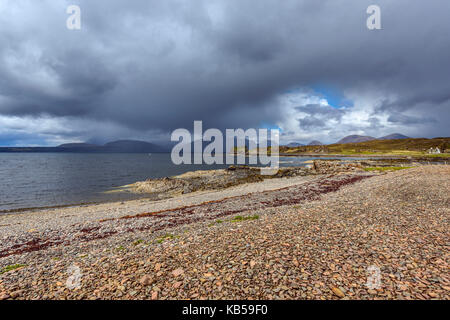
{"x": 294, "y": 145}
{"x": 132, "y": 146}
{"x": 355, "y": 139}
{"x": 394, "y": 136}
{"x": 315, "y": 143}
{"x": 77, "y": 145}
{"x": 121, "y": 146}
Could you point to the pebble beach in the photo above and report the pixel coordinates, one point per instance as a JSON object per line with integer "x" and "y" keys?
{"x": 305, "y": 237}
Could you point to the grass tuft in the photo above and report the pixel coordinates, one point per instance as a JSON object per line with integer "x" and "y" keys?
{"x": 241, "y": 218}
{"x": 12, "y": 267}
{"x": 137, "y": 242}
{"x": 167, "y": 236}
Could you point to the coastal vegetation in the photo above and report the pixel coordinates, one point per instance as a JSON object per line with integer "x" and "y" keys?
{"x": 12, "y": 267}
{"x": 241, "y": 218}
{"x": 398, "y": 147}
{"x": 167, "y": 236}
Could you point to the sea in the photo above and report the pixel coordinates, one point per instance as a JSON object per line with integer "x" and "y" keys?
{"x": 37, "y": 180}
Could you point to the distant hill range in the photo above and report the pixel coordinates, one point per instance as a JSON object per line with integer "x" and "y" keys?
{"x": 394, "y": 136}
{"x": 120, "y": 146}
{"x": 350, "y": 139}
{"x": 294, "y": 145}
{"x": 403, "y": 147}
{"x": 357, "y": 138}
{"x": 315, "y": 143}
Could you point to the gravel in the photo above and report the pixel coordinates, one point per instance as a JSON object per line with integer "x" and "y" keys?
{"x": 317, "y": 237}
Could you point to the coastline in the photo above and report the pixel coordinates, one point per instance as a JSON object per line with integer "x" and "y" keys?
{"x": 129, "y": 250}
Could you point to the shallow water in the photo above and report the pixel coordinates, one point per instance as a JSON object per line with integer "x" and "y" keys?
{"x": 31, "y": 180}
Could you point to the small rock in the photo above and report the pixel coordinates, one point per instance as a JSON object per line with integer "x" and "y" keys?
{"x": 4, "y": 296}
{"x": 177, "y": 272}
{"x": 146, "y": 280}
{"x": 338, "y": 292}
{"x": 16, "y": 294}
{"x": 154, "y": 295}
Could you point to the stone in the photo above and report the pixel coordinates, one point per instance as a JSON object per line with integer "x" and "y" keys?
{"x": 4, "y": 296}
{"x": 16, "y": 294}
{"x": 338, "y": 292}
{"x": 146, "y": 280}
{"x": 177, "y": 272}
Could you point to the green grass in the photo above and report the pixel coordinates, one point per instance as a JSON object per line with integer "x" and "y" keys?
{"x": 137, "y": 242}
{"x": 401, "y": 147}
{"x": 215, "y": 222}
{"x": 439, "y": 155}
{"x": 385, "y": 168}
{"x": 241, "y": 218}
{"x": 167, "y": 236}
{"x": 120, "y": 248}
{"x": 12, "y": 267}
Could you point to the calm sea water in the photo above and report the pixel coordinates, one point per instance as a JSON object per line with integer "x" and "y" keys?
{"x": 31, "y": 180}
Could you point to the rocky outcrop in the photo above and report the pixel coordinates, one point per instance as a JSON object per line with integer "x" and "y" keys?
{"x": 210, "y": 180}
{"x": 330, "y": 167}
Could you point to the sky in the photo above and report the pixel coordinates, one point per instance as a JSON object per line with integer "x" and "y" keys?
{"x": 141, "y": 69}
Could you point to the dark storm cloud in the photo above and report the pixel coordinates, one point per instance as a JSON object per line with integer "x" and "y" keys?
{"x": 311, "y": 123}
{"x": 155, "y": 66}
{"x": 321, "y": 110}
{"x": 404, "y": 119}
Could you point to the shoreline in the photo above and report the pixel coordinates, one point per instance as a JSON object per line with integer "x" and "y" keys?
{"x": 122, "y": 193}
{"x": 130, "y": 192}
{"x": 320, "y": 231}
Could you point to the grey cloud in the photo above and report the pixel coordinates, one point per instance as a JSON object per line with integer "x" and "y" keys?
{"x": 322, "y": 110}
{"x": 311, "y": 123}
{"x": 160, "y": 65}
{"x": 406, "y": 119}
